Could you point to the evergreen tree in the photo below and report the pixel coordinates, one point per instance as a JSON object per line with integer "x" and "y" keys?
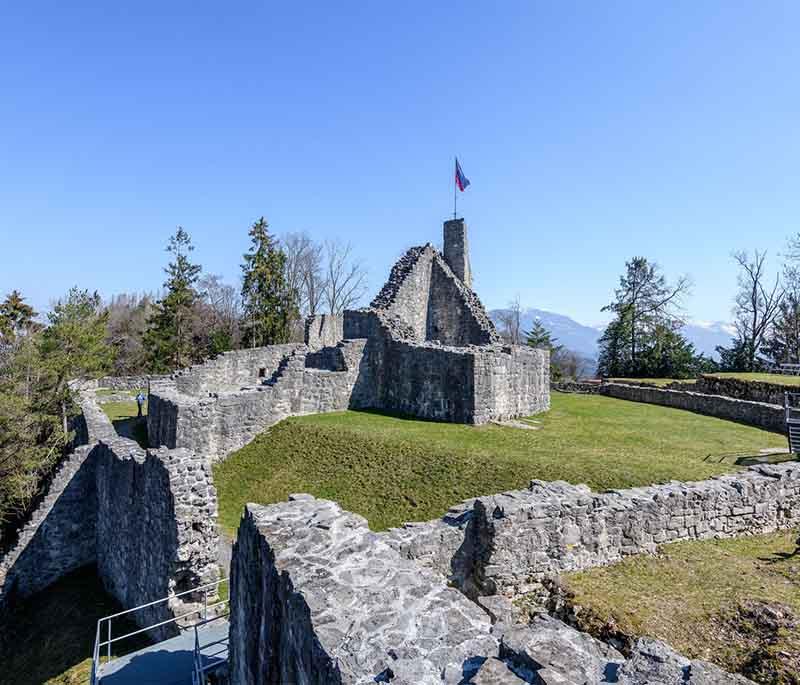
{"x": 169, "y": 339}
{"x": 614, "y": 360}
{"x": 269, "y": 304}
{"x": 72, "y": 346}
{"x": 540, "y": 338}
{"x": 15, "y": 316}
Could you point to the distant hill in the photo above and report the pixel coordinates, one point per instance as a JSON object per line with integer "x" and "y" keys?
{"x": 583, "y": 339}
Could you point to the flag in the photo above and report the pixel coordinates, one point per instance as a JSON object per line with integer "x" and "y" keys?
{"x": 461, "y": 181}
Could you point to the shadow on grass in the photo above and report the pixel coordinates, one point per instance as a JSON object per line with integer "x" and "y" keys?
{"x": 50, "y": 637}
{"x": 134, "y": 428}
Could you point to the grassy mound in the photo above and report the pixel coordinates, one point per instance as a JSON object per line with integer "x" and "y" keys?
{"x": 733, "y": 602}
{"x": 392, "y": 470}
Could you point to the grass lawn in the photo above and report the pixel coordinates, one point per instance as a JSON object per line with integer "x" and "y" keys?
{"x": 392, "y": 470}
{"x": 775, "y": 378}
{"x": 703, "y": 598}
{"x": 124, "y": 417}
{"x": 50, "y": 637}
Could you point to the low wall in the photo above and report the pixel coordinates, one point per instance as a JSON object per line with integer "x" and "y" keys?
{"x": 127, "y": 382}
{"x": 507, "y": 543}
{"x": 753, "y": 391}
{"x": 767, "y": 416}
{"x": 576, "y": 387}
{"x": 317, "y": 598}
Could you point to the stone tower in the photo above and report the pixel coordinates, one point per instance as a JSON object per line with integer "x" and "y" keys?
{"x": 456, "y": 250}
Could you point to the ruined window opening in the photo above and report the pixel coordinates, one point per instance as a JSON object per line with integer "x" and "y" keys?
{"x": 262, "y": 372}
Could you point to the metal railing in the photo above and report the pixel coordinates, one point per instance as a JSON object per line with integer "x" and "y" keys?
{"x": 201, "y": 652}
{"x": 182, "y": 621}
{"x": 791, "y": 406}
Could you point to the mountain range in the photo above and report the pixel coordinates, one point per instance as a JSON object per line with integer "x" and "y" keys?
{"x": 582, "y": 339}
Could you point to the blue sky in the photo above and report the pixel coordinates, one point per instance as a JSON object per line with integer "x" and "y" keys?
{"x": 591, "y": 132}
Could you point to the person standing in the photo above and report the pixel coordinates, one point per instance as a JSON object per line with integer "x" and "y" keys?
{"x": 140, "y": 400}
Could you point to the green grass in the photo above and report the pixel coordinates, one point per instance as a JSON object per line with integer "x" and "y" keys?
{"x": 49, "y": 638}
{"x": 124, "y": 417}
{"x": 774, "y": 378}
{"x": 392, "y": 470}
{"x": 691, "y": 595}
{"x": 106, "y": 392}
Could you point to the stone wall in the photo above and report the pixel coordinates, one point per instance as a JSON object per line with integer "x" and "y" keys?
{"x": 317, "y": 598}
{"x": 767, "y": 416}
{"x": 146, "y": 518}
{"x": 332, "y": 379}
{"x": 507, "y": 543}
{"x": 753, "y": 391}
{"x": 231, "y": 371}
{"x": 156, "y": 528}
{"x": 323, "y": 330}
{"x": 127, "y": 382}
{"x": 456, "y": 250}
{"x": 59, "y": 536}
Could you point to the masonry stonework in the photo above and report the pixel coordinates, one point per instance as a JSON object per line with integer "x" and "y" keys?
{"x": 425, "y": 347}
{"x": 331, "y": 602}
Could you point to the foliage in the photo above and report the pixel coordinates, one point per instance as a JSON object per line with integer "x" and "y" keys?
{"x": 35, "y": 399}
{"x": 16, "y": 317}
{"x": 270, "y": 306}
{"x": 127, "y": 322}
{"x": 169, "y": 341}
{"x": 392, "y": 469}
{"x": 540, "y": 338}
{"x": 643, "y": 338}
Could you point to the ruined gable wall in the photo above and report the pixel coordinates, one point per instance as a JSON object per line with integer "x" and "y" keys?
{"x": 453, "y": 317}
{"x": 406, "y": 293}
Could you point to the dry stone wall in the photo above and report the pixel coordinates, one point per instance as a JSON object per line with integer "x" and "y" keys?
{"x": 507, "y": 543}
{"x": 752, "y": 391}
{"x": 316, "y": 597}
{"x": 767, "y": 416}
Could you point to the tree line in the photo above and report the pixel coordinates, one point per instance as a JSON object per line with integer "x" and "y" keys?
{"x": 196, "y": 316}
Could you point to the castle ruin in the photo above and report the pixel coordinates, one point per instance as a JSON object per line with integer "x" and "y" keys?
{"x": 425, "y": 347}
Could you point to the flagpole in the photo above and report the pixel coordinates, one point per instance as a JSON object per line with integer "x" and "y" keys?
{"x": 455, "y": 189}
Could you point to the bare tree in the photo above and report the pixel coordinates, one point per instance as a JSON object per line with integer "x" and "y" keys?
{"x": 344, "y": 278}
{"x": 756, "y": 304}
{"x": 219, "y": 310}
{"x": 511, "y": 322}
{"x": 304, "y": 274}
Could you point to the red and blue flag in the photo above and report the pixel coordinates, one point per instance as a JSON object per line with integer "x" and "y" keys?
{"x": 461, "y": 181}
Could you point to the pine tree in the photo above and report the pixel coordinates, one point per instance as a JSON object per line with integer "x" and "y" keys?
{"x": 169, "y": 339}
{"x": 73, "y": 346}
{"x": 269, "y": 304}
{"x": 540, "y": 338}
{"x": 15, "y": 316}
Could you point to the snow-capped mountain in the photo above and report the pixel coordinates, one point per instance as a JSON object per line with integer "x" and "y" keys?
{"x": 705, "y": 335}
